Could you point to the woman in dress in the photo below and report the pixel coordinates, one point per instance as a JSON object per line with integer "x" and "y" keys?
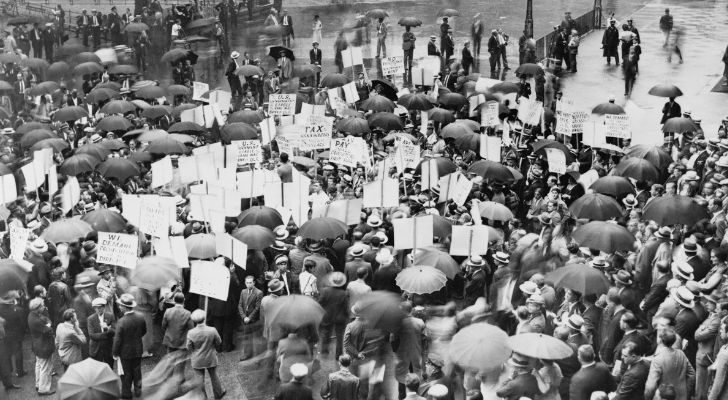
{"x": 317, "y": 27}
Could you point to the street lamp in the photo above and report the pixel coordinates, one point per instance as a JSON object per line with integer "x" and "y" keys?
{"x": 528, "y": 28}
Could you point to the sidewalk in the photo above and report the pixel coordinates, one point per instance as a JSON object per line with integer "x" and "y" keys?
{"x": 703, "y": 42}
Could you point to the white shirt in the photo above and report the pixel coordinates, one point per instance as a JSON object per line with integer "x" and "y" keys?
{"x": 175, "y": 29}
{"x": 318, "y": 199}
{"x": 285, "y": 20}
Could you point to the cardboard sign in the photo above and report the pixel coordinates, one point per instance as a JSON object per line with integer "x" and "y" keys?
{"x": 18, "y": 242}
{"x": 267, "y": 130}
{"x": 484, "y": 84}
{"x": 317, "y": 133}
{"x": 222, "y": 99}
{"x": 406, "y": 155}
{"x": 469, "y": 240}
{"x": 352, "y": 56}
{"x": 118, "y": 249}
{"x": 564, "y": 123}
{"x": 33, "y": 174}
{"x": 282, "y": 104}
{"x": 430, "y": 175}
{"x": 489, "y": 114}
{"x": 617, "y": 126}
{"x": 174, "y": 248}
{"x": 344, "y": 151}
{"x": 383, "y": 192}
{"x": 249, "y": 151}
{"x": 423, "y": 76}
{"x": 392, "y": 65}
{"x": 529, "y": 112}
{"x": 413, "y": 232}
{"x": 461, "y": 190}
{"x": 8, "y": 190}
{"x": 210, "y": 279}
{"x": 70, "y": 194}
{"x": 490, "y": 148}
{"x": 350, "y": 93}
{"x": 234, "y": 249}
{"x": 447, "y": 186}
{"x": 153, "y": 216}
{"x": 198, "y": 89}
{"x": 557, "y": 160}
{"x": 285, "y": 145}
{"x": 346, "y": 211}
{"x": 578, "y": 120}
{"x": 162, "y": 172}
{"x": 595, "y": 133}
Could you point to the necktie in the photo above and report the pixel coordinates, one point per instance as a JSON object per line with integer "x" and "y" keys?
{"x": 285, "y": 21}
{"x": 22, "y": 87}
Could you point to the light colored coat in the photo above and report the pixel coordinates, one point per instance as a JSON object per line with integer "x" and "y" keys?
{"x": 201, "y": 343}
{"x": 670, "y": 366}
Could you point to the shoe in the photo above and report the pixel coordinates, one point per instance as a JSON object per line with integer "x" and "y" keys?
{"x": 12, "y": 387}
{"x": 224, "y": 392}
{"x": 46, "y": 393}
{"x": 22, "y": 373}
{"x": 147, "y": 354}
{"x": 137, "y": 393}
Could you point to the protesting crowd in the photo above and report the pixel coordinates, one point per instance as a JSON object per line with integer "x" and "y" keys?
{"x": 465, "y": 237}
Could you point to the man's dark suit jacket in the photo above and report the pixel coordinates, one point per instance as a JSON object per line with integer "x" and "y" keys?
{"x": 99, "y": 340}
{"x": 591, "y": 379}
{"x": 128, "y": 337}
{"x": 632, "y": 385}
{"x": 294, "y": 391}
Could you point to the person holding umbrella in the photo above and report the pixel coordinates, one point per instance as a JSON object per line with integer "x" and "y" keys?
{"x": 236, "y": 89}
{"x": 408, "y": 46}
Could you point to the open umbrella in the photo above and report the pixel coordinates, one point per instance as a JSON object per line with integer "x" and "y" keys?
{"x": 260, "y": 215}
{"x": 671, "y": 210}
{"x": 21, "y": 20}
{"x": 185, "y": 127}
{"x": 306, "y": 70}
{"x": 105, "y": 220}
{"x": 87, "y": 68}
{"x": 275, "y": 52}
{"x": 380, "y": 308}
{"x": 420, "y": 279}
{"x": 167, "y": 145}
{"x": 528, "y": 69}
{"x": 31, "y": 126}
{"x": 455, "y": 130}
{"x": 385, "y": 88}
{"x": 249, "y": 70}
{"x": 495, "y": 211}
{"x": 334, "y": 80}
{"x": 114, "y": 123}
{"x": 679, "y": 125}
{"x": 10, "y": 280}
{"x": 115, "y": 86}
{"x": 488, "y": 169}
{"x": 481, "y": 347}
{"x": 136, "y": 27}
{"x": 596, "y": 206}
{"x": 453, "y": 101}
{"x": 148, "y": 135}
{"x": 433, "y": 257}
{"x": 150, "y": 92}
{"x": 605, "y": 236}
{"x": 255, "y": 236}
{"x": 385, "y": 121}
{"x": 542, "y": 144}
{"x": 158, "y": 111}
{"x": 201, "y": 246}
{"x": 540, "y": 346}
{"x": 654, "y": 154}
{"x": 608, "y": 108}
{"x": 84, "y": 57}
{"x": 322, "y": 228}
{"x": 201, "y": 23}
{"x": 394, "y": 135}
{"x": 409, "y": 21}
{"x": 119, "y": 168}
{"x": 247, "y": 116}
{"x": 441, "y": 115}
{"x": 294, "y": 311}
{"x": 70, "y": 113}
{"x": 79, "y": 164}
{"x": 58, "y": 70}
{"x": 609, "y": 149}
{"x": 505, "y": 87}
{"x": 638, "y": 169}
{"x": 154, "y": 272}
{"x": 303, "y": 161}
{"x": 377, "y": 103}
{"x": 94, "y": 149}
{"x": 99, "y": 95}
{"x": 89, "y": 380}
{"x": 448, "y": 12}
{"x": 665, "y": 90}
{"x": 238, "y": 131}
{"x": 444, "y": 165}
{"x": 176, "y": 54}
{"x": 353, "y": 126}
{"x": 30, "y": 138}
{"x": 472, "y": 125}
{"x": 118, "y": 107}
{"x": 178, "y": 90}
{"x": 141, "y": 156}
{"x": 36, "y": 64}
{"x": 581, "y": 278}
{"x": 56, "y": 144}
{"x": 114, "y": 144}
{"x": 470, "y": 141}
{"x": 66, "y": 231}
{"x": 415, "y": 102}
{"x": 5, "y": 86}
{"x": 7, "y": 58}
{"x": 615, "y": 186}
{"x": 377, "y": 13}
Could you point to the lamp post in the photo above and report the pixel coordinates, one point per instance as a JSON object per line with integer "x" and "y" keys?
{"x": 528, "y": 28}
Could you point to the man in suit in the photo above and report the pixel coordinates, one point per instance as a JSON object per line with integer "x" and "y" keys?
{"x": 658, "y": 291}
{"x": 73, "y": 99}
{"x": 494, "y": 50}
{"x": 611, "y": 334}
{"x": 700, "y": 267}
{"x": 175, "y": 325}
{"x": 202, "y": 340}
{"x": 643, "y": 264}
{"x": 36, "y": 41}
{"x": 448, "y": 47}
{"x": 287, "y": 23}
{"x": 286, "y": 67}
{"x": 333, "y": 300}
{"x": 408, "y": 345}
{"x": 21, "y": 86}
{"x": 315, "y": 57}
{"x": 96, "y": 28}
{"x": 467, "y": 58}
{"x": 114, "y": 24}
{"x": 48, "y": 38}
{"x": 341, "y": 384}
{"x": 221, "y": 314}
{"x": 576, "y": 338}
{"x": 128, "y": 347}
{"x": 628, "y": 323}
{"x": 522, "y": 383}
{"x": 408, "y": 47}
{"x": 351, "y": 267}
{"x": 295, "y": 389}
{"x": 444, "y": 29}
{"x": 233, "y": 80}
{"x": 381, "y": 38}
{"x": 632, "y": 384}
{"x": 476, "y": 34}
{"x": 672, "y": 367}
{"x": 629, "y": 297}
{"x": 101, "y": 332}
{"x": 249, "y": 310}
{"x": 362, "y": 87}
{"x": 707, "y": 336}
{"x": 475, "y": 279}
{"x": 671, "y": 109}
{"x": 43, "y": 347}
{"x": 432, "y": 49}
{"x": 592, "y": 377}
{"x": 686, "y": 320}
{"x": 592, "y": 316}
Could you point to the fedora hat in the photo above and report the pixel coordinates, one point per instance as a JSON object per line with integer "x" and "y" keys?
{"x": 663, "y": 233}
{"x": 275, "y": 285}
{"x": 519, "y": 361}
{"x": 536, "y": 298}
{"x": 623, "y": 277}
{"x": 281, "y": 232}
{"x": 691, "y": 176}
{"x": 337, "y": 279}
{"x": 684, "y": 297}
{"x": 690, "y": 246}
{"x": 315, "y": 246}
{"x": 575, "y": 322}
{"x": 126, "y": 300}
{"x": 529, "y": 288}
{"x": 501, "y": 257}
{"x": 683, "y": 270}
{"x": 105, "y": 268}
{"x": 83, "y": 281}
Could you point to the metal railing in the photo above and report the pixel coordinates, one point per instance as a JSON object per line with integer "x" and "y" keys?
{"x": 584, "y": 24}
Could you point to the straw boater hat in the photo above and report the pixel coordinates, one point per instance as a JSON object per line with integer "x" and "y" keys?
{"x": 536, "y": 298}
{"x": 529, "y": 288}
{"x": 630, "y": 201}
{"x": 599, "y": 262}
{"x": 299, "y": 370}
{"x": 684, "y": 297}
{"x": 663, "y": 233}
{"x": 476, "y": 261}
{"x": 374, "y": 221}
{"x": 98, "y": 302}
{"x": 234, "y": 55}
{"x": 83, "y": 282}
{"x": 544, "y": 218}
{"x": 275, "y": 285}
{"x": 575, "y": 322}
{"x": 337, "y": 279}
{"x": 39, "y": 246}
{"x": 690, "y": 247}
{"x": 281, "y": 232}
{"x": 357, "y": 250}
{"x": 519, "y": 361}
{"x": 683, "y": 270}
{"x": 501, "y": 257}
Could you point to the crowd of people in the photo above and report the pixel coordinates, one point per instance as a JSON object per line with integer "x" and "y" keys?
{"x": 604, "y": 277}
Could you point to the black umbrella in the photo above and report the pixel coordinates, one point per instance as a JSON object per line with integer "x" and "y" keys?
{"x": 415, "y": 101}
{"x": 608, "y": 108}
{"x": 275, "y": 52}
{"x": 665, "y": 90}
{"x": 385, "y": 88}
{"x": 409, "y": 21}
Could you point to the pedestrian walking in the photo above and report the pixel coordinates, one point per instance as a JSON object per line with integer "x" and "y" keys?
{"x": 674, "y": 46}
{"x": 249, "y": 310}
{"x": 317, "y": 28}
{"x": 494, "y": 50}
{"x": 630, "y": 74}
{"x": 42, "y": 345}
{"x": 502, "y": 47}
{"x": 666, "y": 24}
{"x": 176, "y": 322}
{"x": 381, "y": 38}
{"x": 236, "y": 89}
{"x": 287, "y": 22}
{"x": 202, "y": 340}
{"x": 626, "y": 38}
{"x": 341, "y": 384}
{"x": 295, "y": 389}
{"x": 101, "y": 330}
{"x": 610, "y": 42}
{"x": 573, "y": 49}
{"x": 476, "y": 34}
{"x": 466, "y": 60}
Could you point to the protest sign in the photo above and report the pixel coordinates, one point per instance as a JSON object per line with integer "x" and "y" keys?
{"x": 70, "y": 194}
{"x": 8, "y": 190}
{"x": 578, "y": 120}
{"x": 249, "y": 151}
{"x": 267, "y": 130}
{"x": 490, "y": 148}
{"x": 153, "y": 216}
{"x": 352, "y": 56}
{"x": 198, "y": 89}
{"x": 469, "y": 240}
{"x": 529, "y": 112}
{"x": 117, "y": 249}
{"x": 210, "y": 279}
{"x": 162, "y": 172}
{"x": 462, "y": 190}
{"x": 33, "y": 174}
{"x": 424, "y": 120}
{"x": 52, "y": 179}
{"x": 173, "y": 248}
{"x": 407, "y": 155}
{"x": 295, "y": 197}
{"x": 557, "y": 160}
{"x": 344, "y": 151}
{"x": 346, "y": 211}
{"x": 489, "y": 114}
{"x": 594, "y": 133}
{"x": 221, "y": 98}
{"x": 617, "y": 126}
{"x": 317, "y": 133}
{"x": 423, "y": 76}
{"x": 282, "y": 104}
{"x": 447, "y": 185}
{"x": 392, "y": 65}
{"x": 484, "y": 84}
{"x": 429, "y": 173}
{"x": 234, "y": 249}
{"x": 351, "y": 95}
{"x": 564, "y": 123}
{"x": 383, "y": 192}
{"x": 18, "y": 241}
{"x": 413, "y": 232}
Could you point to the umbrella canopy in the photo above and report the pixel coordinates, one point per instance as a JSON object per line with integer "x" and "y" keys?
{"x": 150, "y": 92}
{"x": 420, "y": 279}
{"x": 441, "y": 226}
{"x": 615, "y": 186}
{"x": 294, "y": 311}
{"x": 377, "y": 103}
{"x": 671, "y": 210}
{"x": 47, "y": 87}
{"x": 114, "y": 145}
{"x": 540, "y": 145}
{"x": 380, "y": 308}
{"x": 275, "y": 52}
{"x": 596, "y": 206}
{"x": 605, "y": 236}
{"x": 21, "y": 20}
{"x": 89, "y": 380}
{"x": 79, "y": 164}
{"x": 385, "y": 121}
{"x": 377, "y": 13}
{"x": 505, "y": 87}
{"x": 185, "y": 127}
{"x": 5, "y": 86}
{"x": 10, "y": 279}
{"x": 470, "y": 141}
{"x": 448, "y": 12}
{"x": 118, "y": 107}
{"x": 249, "y": 70}
{"x": 679, "y": 125}
{"x": 255, "y": 236}
{"x": 665, "y": 90}
{"x": 31, "y": 126}
{"x": 98, "y": 95}
{"x": 528, "y": 69}
{"x": 56, "y": 144}
{"x": 7, "y": 58}
{"x": 481, "y": 347}
{"x": 538, "y": 345}
{"x": 334, "y": 80}
{"x": 441, "y": 115}
{"x": 201, "y": 246}
{"x": 495, "y": 211}
{"x": 654, "y": 154}
{"x": 353, "y": 126}
{"x": 433, "y": 257}
{"x": 260, "y": 215}
{"x": 158, "y": 111}
{"x": 238, "y": 131}
{"x": 247, "y": 116}
{"x": 153, "y": 273}
{"x": 394, "y": 135}
{"x": 488, "y": 169}
{"x": 105, "y": 220}
{"x": 409, "y": 21}
{"x": 94, "y": 149}
{"x": 455, "y": 130}
{"x": 609, "y": 149}
{"x": 638, "y": 169}
{"x": 303, "y": 161}
{"x": 136, "y": 27}
{"x": 150, "y": 135}
{"x": 119, "y": 168}
{"x": 306, "y": 70}
{"x": 140, "y": 156}
{"x": 608, "y": 108}
{"x": 452, "y": 100}
{"x": 114, "y": 123}
{"x": 30, "y": 138}
{"x": 85, "y": 56}
{"x": 70, "y": 113}
{"x": 415, "y": 102}
{"x": 109, "y": 85}
{"x": 322, "y": 228}
{"x": 87, "y": 68}
{"x": 474, "y": 126}
{"x": 182, "y": 138}
{"x": 37, "y": 64}
{"x": 178, "y": 90}
{"x": 385, "y": 88}
{"x": 176, "y": 54}
{"x": 66, "y": 231}
{"x": 167, "y": 145}
{"x": 581, "y": 278}
{"x": 444, "y": 165}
